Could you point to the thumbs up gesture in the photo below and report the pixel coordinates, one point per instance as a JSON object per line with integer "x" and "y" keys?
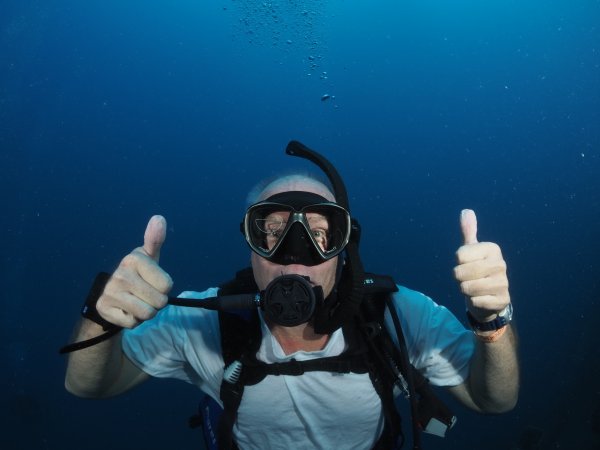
{"x": 138, "y": 288}
{"x": 481, "y": 272}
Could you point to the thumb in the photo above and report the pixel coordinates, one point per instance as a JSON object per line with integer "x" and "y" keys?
{"x": 468, "y": 226}
{"x": 154, "y": 237}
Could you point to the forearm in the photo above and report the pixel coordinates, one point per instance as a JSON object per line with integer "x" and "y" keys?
{"x": 101, "y": 370}
{"x": 494, "y": 374}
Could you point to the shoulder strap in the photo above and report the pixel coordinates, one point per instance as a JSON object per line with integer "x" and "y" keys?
{"x": 240, "y": 335}
{"x": 240, "y": 329}
{"x": 428, "y": 412}
{"x": 385, "y": 373}
{"x": 243, "y": 283}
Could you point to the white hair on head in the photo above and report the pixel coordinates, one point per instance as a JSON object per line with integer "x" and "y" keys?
{"x": 291, "y": 182}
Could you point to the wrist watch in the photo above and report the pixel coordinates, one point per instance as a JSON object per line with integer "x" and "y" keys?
{"x": 504, "y": 317}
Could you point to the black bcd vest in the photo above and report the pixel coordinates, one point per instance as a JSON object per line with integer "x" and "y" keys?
{"x": 370, "y": 349}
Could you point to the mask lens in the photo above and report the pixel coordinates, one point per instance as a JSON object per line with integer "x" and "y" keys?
{"x": 266, "y": 226}
{"x": 330, "y": 227}
{"x": 270, "y": 226}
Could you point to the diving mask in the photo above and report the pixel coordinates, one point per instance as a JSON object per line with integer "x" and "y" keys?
{"x": 297, "y": 227}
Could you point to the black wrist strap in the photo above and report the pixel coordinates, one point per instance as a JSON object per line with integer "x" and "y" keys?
{"x": 90, "y": 342}
{"x": 90, "y": 312}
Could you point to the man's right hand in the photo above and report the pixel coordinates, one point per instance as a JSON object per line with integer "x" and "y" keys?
{"x": 138, "y": 288}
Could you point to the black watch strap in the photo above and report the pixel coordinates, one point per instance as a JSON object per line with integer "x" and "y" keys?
{"x": 492, "y": 325}
{"x": 89, "y": 310}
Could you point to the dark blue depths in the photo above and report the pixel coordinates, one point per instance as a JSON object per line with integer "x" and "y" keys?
{"x": 113, "y": 111}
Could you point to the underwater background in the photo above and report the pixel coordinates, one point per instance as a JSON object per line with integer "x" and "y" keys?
{"x": 112, "y": 111}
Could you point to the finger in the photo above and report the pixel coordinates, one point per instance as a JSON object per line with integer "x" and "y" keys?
{"x": 468, "y": 226}
{"x": 125, "y": 282}
{"x": 479, "y": 269}
{"x": 483, "y": 250}
{"x": 139, "y": 309}
{"x": 127, "y": 311}
{"x": 139, "y": 266}
{"x": 147, "y": 293}
{"x": 497, "y": 286}
{"x": 157, "y": 279}
{"x": 154, "y": 237}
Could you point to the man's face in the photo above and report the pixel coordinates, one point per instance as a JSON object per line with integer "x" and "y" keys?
{"x": 322, "y": 274}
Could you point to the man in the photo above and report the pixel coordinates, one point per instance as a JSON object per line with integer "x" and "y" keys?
{"x": 315, "y": 409}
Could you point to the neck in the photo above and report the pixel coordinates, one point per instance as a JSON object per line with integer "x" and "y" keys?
{"x": 299, "y": 338}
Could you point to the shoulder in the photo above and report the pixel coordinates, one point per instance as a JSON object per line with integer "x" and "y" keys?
{"x": 438, "y": 343}
{"x": 179, "y": 342}
{"x": 407, "y": 295}
{"x": 419, "y": 310}
{"x": 210, "y": 292}
{"x": 414, "y": 304}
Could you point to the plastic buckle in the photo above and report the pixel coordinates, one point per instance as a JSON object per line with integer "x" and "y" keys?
{"x": 292, "y": 367}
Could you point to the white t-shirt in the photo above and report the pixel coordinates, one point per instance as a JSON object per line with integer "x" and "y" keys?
{"x": 317, "y": 410}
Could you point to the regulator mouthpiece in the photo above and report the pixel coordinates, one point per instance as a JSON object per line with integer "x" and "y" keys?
{"x": 290, "y": 300}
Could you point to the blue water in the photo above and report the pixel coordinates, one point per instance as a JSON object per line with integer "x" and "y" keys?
{"x": 113, "y": 111}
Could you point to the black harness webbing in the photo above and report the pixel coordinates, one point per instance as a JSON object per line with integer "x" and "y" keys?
{"x": 338, "y": 364}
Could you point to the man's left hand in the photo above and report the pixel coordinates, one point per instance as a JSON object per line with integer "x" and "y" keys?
{"x": 481, "y": 272}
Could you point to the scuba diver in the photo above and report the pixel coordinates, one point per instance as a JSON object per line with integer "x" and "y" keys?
{"x": 304, "y": 349}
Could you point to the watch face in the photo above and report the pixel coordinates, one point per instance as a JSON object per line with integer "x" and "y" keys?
{"x": 507, "y": 313}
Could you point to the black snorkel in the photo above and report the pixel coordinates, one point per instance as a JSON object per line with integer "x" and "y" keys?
{"x": 340, "y": 306}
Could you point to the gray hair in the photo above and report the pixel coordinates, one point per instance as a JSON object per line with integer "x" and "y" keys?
{"x": 259, "y": 191}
